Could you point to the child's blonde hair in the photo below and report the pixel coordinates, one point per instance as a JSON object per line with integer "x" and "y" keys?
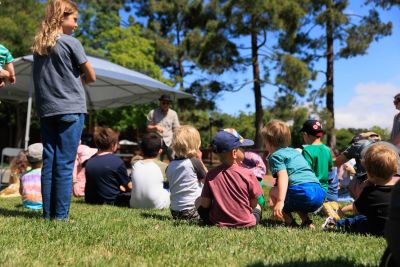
{"x": 277, "y": 133}
{"x": 380, "y": 162}
{"x": 47, "y": 37}
{"x": 186, "y": 142}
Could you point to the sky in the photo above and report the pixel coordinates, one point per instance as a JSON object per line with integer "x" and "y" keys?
{"x": 364, "y": 85}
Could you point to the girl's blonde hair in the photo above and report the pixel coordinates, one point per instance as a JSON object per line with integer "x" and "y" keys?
{"x": 47, "y": 37}
{"x": 277, "y": 133}
{"x": 186, "y": 142}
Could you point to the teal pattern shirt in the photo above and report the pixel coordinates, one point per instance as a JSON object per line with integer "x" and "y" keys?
{"x": 291, "y": 160}
{"x": 5, "y": 56}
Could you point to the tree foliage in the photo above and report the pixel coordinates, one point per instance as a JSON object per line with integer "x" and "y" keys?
{"x": 332, "y": 32}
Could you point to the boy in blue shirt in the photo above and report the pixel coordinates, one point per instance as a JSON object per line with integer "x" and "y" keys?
{"x": 298, "y": 189}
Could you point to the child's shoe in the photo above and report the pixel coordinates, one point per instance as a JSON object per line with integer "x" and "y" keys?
{"x": 329, "y": 224}
{"x": 331, "y": 209}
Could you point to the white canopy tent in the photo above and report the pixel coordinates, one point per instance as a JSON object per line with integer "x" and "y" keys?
{"x": 115, "y": 86}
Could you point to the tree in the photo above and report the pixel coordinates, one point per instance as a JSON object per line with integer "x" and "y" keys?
{"x": 341, "y": 35}
{"x": 20, "y": 21}
{"x": 103, "y": 35}
{"x": 190, "y": 42}
{"x": 254, "y": 20}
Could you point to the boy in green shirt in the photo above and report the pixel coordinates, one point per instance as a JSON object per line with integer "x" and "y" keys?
{"x": 315, "y": 152}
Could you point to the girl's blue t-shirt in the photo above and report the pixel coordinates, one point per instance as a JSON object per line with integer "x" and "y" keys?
{"x": 291, "y": 160}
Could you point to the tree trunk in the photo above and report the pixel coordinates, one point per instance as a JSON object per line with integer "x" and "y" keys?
{"x": 329, "y": 81}
{"x": 257, "y": 89}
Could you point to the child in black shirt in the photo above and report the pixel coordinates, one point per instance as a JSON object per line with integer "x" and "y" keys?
{"x": 372, "y": 205}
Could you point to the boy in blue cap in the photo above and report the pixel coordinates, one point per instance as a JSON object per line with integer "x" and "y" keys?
{"x": 230, "y": 192}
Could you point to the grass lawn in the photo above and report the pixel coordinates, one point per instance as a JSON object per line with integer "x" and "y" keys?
{"x": 105, "y": 235}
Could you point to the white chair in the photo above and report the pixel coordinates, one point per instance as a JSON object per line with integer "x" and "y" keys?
{"x": 7, "y": 152}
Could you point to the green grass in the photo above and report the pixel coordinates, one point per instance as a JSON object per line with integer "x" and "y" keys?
{"x": 105, "y": 235}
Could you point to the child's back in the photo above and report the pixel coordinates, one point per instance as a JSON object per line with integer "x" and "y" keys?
{"x": 184, "y": 177}
{"x": 319, "y": 158}
{"x": 373, "y": 203}
{"x": 289, "y": 159}
{"x": 148, "y": 187}
{"x": 30, "y": 182}
{"x": 231, "y": 188}
{"x": 186, "y": 173}
{"x": 30, "y": 189}
{"x": 315, "y": 152}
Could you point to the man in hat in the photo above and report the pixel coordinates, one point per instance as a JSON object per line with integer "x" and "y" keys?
{"x": 395, "y": 135}
{"x": 163, "y": 121}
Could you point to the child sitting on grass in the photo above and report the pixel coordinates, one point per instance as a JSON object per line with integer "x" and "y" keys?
{"x": 147, "y": 179}
{"x": 230, "y": 193}
{"x": 107, "y": 180}
{"x": 255, "y": 163}
{"x": 298, "y": 189}
{"x": 315, "y": 152}
{"x": 372, "y": 205}
{"x": 30, "y": 182}
{"x": 186, "y": 173}
{"x": 18, "y": 166}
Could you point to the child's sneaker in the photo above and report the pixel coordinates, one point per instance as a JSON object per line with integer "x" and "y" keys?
{"x": 331, "y": 210}
{"x": 329, "y": 224}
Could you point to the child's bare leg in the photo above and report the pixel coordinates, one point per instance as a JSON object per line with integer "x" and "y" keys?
{"x": 347, "y": 208}
{"x": 305, "y": 220}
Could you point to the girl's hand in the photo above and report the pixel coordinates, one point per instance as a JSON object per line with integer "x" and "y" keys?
{"x": 278, "y": 209}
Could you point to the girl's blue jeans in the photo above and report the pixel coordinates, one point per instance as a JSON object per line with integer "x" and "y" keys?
{"x": 60, "y": 136}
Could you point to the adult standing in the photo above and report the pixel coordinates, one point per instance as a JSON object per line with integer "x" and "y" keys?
{"x": 395, "y": 136}
{"x": 163, "y": 121}
{"x": 60, "y": 67}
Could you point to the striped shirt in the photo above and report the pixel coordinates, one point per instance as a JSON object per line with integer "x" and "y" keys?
{"x": 31, "y": 190}
{"x": 5, "y": 56}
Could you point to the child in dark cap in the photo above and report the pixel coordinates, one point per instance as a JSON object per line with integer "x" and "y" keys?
{"x": 315, "y": 152}
{"x": 229, "y": 197}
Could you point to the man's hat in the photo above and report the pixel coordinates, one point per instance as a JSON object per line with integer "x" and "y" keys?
{"x": 35, "y": 152}
{"x": 312, "y": 127}
{"x": 228, "y": 139}
{"x": 165, "y": 98}
{"x": 366, "y": 136}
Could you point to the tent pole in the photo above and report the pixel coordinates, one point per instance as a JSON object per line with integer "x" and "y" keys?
{"x": 28, "y": 115}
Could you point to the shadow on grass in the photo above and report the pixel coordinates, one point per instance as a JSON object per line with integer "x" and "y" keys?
{"x": 152, "y": 215}
{"x": 161, "y": 217}
{"x": 20, "y": 213}
{"x": 339, "y": 262}
{"x": 271, "y": 223}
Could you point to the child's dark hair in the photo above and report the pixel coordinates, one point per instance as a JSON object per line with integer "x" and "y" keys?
{"x": 105, "y": 138}
{"x": 151, "y": 145}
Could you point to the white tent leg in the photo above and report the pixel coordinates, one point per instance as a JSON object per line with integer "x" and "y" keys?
{"x": 28, "y": 116}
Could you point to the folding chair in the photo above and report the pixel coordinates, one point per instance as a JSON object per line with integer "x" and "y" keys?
{"x": 7, "y": 152}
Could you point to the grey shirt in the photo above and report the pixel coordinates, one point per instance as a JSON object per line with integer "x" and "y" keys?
{"x": 169, "y": 122}
{"x": 396, "y": 127}
{"x": 58, "y": 87}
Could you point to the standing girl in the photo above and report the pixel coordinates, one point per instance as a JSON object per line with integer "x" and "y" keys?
{"x": 59, "y": 69}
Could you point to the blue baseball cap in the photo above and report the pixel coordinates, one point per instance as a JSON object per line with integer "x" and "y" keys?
{"x": 228, "y": 139}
